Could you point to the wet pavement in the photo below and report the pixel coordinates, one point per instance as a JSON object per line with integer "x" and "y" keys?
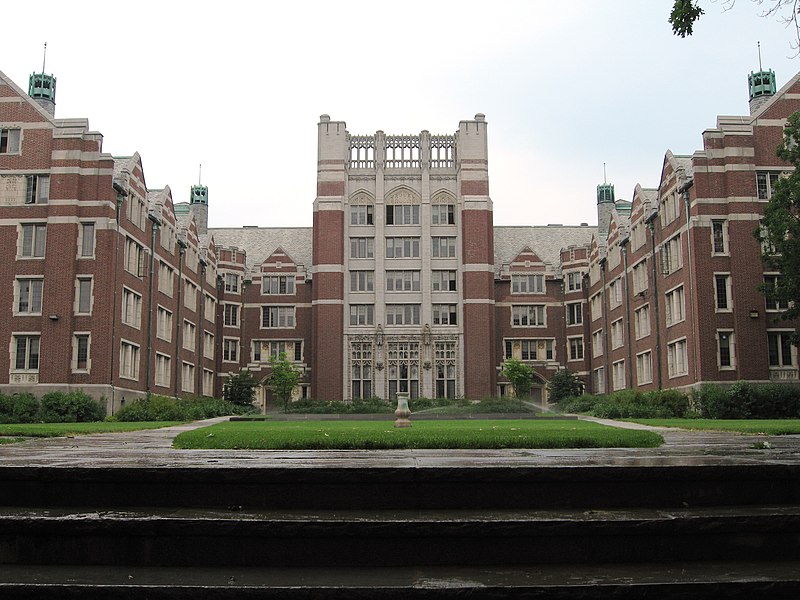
{"x": 153, "y": 448}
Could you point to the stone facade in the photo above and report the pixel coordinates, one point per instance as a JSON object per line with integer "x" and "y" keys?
{"x": 401, "y": 284}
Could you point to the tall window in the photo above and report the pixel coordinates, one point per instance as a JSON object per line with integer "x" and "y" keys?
{"x": 617, "y": 334}
{"x": 362, "y": 281}
{"x": 402, "y": 314}
{"x": 208, "y": 345}
{"x": 574, "y": 313}
{"x": 644, "y": 368}
{"x": 725, "y": 349}
{"x": 188, "y": 378}
{"x": 277, "y": 316}
{"x": 675, "y": 306}
{"x": 640, "y": 277}
{"x": 618, "y": 375}
{"x": 719, "y": 241}
{"x": 615, "y": 292}
{"x": 597, "y": 343}
{"x": 80, "y": 352}
{"x": 87, "y": 240}
{"x": 34, "y": 236}
{"x": 231, "y": 315}
{"x": 232, "y": 283}
{"x": 164, "y": 324}
{"x": 677, "y": 362}
{"x": 134, "y": 258}
{"x": 527, "y": 284}
{"x": 361, "y": 370}
{"x": 29, "y": 296}
{"x": 362, "y": 247}
{"x": 362, "y": 314}
{"x": 443, "y": 214}
{"x": 26, "y": 352}
{"x": 445, "y": 359}
{"x": 596, "y": 306}
{"x": 528, "y": 315}
{"x": 530, "y": 349}
{"x": 574, "y": 281}
{"x": 37, "y": 189}
{"x": 599, "y": 380}
{"x": 403, "y": 368}
{"x": 402, "y": 247}
{"x": 162, "y": 370}
{"x": 779, "y": 344}
{"x": 277, "y": 284}
{"x": 444, "y": 314}
{"x": 230, "y": 350}
{"x": 129, "y": 360}
{"x": 443, "y": 281}
{"x": 672, "y": 255}
{"x": 402, "y": 281}
{"x": 83, "y": 292}
{"x": 189, "y": 336}
{"x": 575, "y": 348}
{"x": 444, "y": 246}
{"x": 166, "y": 277}
{"x": 771, "y": 287}
{"x": 641, "y": 321}
{"x": 190, "y": 295}
{"x": 405, "y": 214}
{"x": 765, "y": 183}
{"x": 722, "y": 289}
{"x": 131, "y": 308}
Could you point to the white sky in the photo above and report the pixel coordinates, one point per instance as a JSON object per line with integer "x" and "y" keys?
{"x": 239, "y": 87}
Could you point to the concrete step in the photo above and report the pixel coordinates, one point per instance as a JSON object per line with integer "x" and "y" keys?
{"x": 745, "y": 580}
{"x": 362, "y": 484}
{"x": 395, "y": 538}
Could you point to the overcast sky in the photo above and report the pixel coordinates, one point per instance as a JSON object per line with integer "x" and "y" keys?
{"x": 239, "y": 87}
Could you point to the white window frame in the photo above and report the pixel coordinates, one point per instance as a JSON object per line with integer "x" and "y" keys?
{"x": 728, "y": 293}
{"x": 644, "y": 368}
{"x": 77, "y": 305}
{"x": 18, "y": 295}
{"x": 229, "y": 343}
{"x": 283, "y": 313}
{"x": 529, "y": 315}
{"x": 83, "y": 239}
{"x": 575, "y": 343}
{"x": 75, "y": 347}
{"x": 678, "y": 358}
{"x": 731, "y": 349}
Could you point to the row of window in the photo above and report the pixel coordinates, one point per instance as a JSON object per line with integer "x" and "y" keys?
{"x": 403, "y": 214}
{"x": 403, "y": 247}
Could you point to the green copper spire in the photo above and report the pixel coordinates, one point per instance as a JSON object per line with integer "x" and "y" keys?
{"x": 605, "y": 193}
{"x": 42, "y": 87}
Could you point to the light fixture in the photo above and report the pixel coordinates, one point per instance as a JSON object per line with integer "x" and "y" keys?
{"x": 53, "y": 317}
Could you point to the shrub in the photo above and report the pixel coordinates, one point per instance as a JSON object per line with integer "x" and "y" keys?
{"x": 564, "y": 384}
{"x": 165, "y": 408}
{"x": 71, "y": 407}
{"x": 775, "y": 401}
{"x": 19, "y": 408}
{"x": 630, "y": 404}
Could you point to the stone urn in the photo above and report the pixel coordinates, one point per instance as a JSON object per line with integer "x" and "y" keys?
{"x": 403, "y": 412}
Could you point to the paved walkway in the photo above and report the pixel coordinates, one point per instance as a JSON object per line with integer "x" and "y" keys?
{"x": 153, "y": 448}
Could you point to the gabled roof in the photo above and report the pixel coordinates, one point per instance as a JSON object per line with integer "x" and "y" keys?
{"x": 35, "y": 105}
{"x": 260, "y": 242}
{"x": 546, "y": 241}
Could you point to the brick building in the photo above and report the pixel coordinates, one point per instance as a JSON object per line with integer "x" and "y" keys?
{"x": 402, "y": 283}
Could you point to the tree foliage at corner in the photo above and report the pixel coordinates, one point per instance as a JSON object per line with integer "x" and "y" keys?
{"x": 683, "y": 17}
{"x": 283, "y": 379}
{"x": 519, "y": 374}
{"x": 564, "y": 384}
{"x": 240, "y": 388}
{"x": 780, "y": 227}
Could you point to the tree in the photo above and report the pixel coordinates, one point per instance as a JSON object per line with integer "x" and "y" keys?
{"x": 685, "y": 13}
{"x": 240, "y": 388}
{"x": 564, "y": 384}
{"x": 780, "y": 228}
{"x": 283, "y": 379}
{"x": 519, "y": 374}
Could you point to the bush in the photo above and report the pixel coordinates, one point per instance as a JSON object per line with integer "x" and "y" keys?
{"x": 361, "y": 407}
{"x": 165, "y": 408}
{"x": 630, "y": 404}
{"x": 744, "y": 400}
{"x": 19, "y": 408}
{"x": 71, "y": 407}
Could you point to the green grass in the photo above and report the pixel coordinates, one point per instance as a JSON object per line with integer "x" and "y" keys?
{"x": 11, "y": 440}
{"x": 65, "y": 429}
{"x": 752, "y": 426}
{"x": 361, "y": 435}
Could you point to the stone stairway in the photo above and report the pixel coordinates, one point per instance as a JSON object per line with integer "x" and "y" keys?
{"x": 663, "y": 531}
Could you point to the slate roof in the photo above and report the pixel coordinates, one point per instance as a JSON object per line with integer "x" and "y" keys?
{"x": 546, "y": 241}
{"x": 260, "y": 242}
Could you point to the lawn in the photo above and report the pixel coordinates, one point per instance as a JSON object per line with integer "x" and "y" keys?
{"x": 751, "y": 426}
{"x": 66, "y": 429}
{"x": 382, "y": 435}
